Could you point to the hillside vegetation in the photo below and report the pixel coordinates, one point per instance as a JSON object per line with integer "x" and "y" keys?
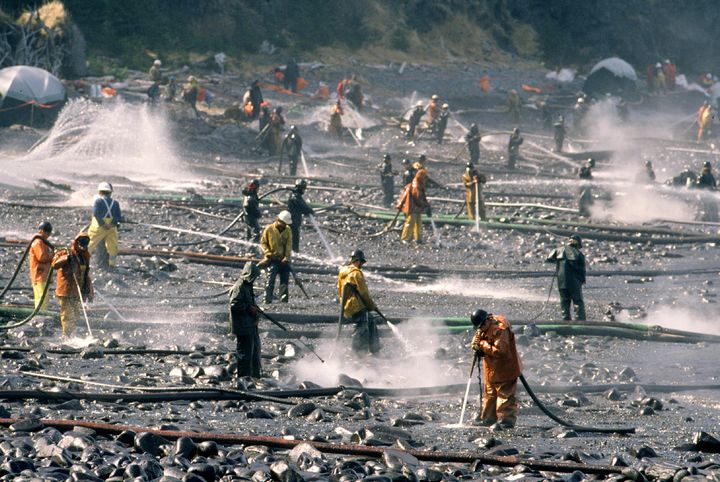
{"x": 559, "y": 32}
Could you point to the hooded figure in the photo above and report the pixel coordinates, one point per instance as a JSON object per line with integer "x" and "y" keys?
{"x": 472, "y": 139}
{"x": 494, "y": 342}
{"x": 298, "y": 208}
{"x": 244, "y": 321}
{"x": 73, "y": 272}
{"x": 570, "y": 271}
{"x": 413, "y": 203}
{"x": 251, "y": 210}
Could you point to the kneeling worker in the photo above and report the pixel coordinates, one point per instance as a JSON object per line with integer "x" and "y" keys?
{"x": 276, "y": 245}
{"x": 494, "y": 342}
{"x": 357, "y": 304}
{"x": 244, "y": 322}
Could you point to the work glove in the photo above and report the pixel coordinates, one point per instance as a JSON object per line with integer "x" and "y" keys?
{"x": 477, "y": 339}
{"x": 284, "y": 262}
{"x": 253, "y": 310}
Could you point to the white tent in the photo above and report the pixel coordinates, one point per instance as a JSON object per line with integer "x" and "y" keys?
{"x": 29, "y": 94}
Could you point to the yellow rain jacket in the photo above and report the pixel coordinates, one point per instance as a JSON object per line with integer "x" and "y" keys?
{"x": 275, "y": 244}
{"x": 354, "y": 303}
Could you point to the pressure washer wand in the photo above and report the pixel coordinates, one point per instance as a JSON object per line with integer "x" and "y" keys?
{"x": 282, "y": 327}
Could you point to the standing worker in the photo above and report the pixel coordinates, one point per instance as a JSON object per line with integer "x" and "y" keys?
{"x": 293, "y": 145}
{"x": 704, "y": 117}
{"x": 251, "y": 210}
{"x": 494, "y": 342}
{"x": 514, "y": 144}
{"x": 433, "y": 109}
{"x": 441, "y": 122}
{"x": 292, "y": 74}
{"x": 559, "y": 133}
{"x": 336, "y": 125}
{"x": 414, "y": 120}
{"x": 473, "y": 182}
{"x": 272, "y": 139}
{"x": 191, "y": 92}
{"x": 276, "y": 245}
{"x": 513, "y": 103}
{"x": 156, "y": 77}
{"x": 472, "y": 139}
{"x": 387, "y": 180}
{"x": 570, "y": 272}
{"x": 298, "y": 208}
{"x": 73, "y": 272}
{"x": 409, "y": 173}
{"x": 244, "y": 322}
{"x": 585, "y": 172}
{"x": 256, "y": 98}
{"x": 41, "y": 256}
{"x": 708, "y": 205}
{"x": 106, "y": 217}
{"x": 357, "y": 305}
{"x": 413, "y": 203}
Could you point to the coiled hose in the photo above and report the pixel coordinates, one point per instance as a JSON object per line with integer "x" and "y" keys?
{"x": 577, "y": 428}
{"x": 36, "y": 310}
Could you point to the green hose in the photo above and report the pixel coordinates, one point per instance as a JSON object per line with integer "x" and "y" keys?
{"x": 37, "y": 308}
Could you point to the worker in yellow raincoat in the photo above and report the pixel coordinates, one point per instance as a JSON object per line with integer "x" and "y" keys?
{"x": 106, "y": 217}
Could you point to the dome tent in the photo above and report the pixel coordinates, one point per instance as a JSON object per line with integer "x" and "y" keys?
{"x": 611, "y": 76}
{"x": 29, "y": 95}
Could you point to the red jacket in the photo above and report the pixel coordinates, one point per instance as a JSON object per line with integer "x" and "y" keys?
{"x": 73, "y": 269}
{"x": 41, "y": 255}
{"x": 501, "y": 361}
{"x": 413, "y": 199}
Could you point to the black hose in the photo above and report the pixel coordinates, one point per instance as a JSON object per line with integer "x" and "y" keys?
{"x": 577, "y": 428}
{"x": 37, "y": 308}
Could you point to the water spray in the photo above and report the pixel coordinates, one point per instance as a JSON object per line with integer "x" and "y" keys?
{"x": 304, "y": 163}
{"x": 82, "y": 303}
{"x": 467, "y": 391}
{"x": 110, "y": 305}
{"x": 477, "y": 206}
{"x": 330, "y": 252}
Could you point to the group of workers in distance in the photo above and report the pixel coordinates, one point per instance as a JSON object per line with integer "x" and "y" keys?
{"x": 72, "y": 264}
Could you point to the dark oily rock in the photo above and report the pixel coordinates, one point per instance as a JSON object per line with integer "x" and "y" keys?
{"x": 346, "y": 381}
{"x": 69, "y": 405}
{"x": 487, "y": 443}
{"x": 567, "y": 434}
{"x": 627, "y": 374}
{"x": 305, "y": 449}
{"x": 85, "y": 477}
{"x": 428, "y": 474}
{"x": 4, "y": 413}
{"x": 27, "y": 425}
{"x": 642, "y": 452}
{"x": 74, "y": 441}
{"x": 134, "y": 470}
{"x": 661, "y": 472}
{"x": 502, "y": 451}
{"x": 317, "y": 415}
{"x": 149, "y": 443}
{"x": 203, "y": 470}
{"x": 259, "y": 412}
{"x": 647, "y": 411}
{"x": 306, "y": 385}
{"x": 194, "y": 478}
{"x": 282, "y": 471}
{"x": 397, "y": 459}
{"x": 208, "y": 448}
{"x": 92, "y": 352}
{"x": 618, "y": 461}
{"x": 576, "y": 476}
{"x": 185, "y": 447}
{"x": 706, "y": 442}
{"x": 219, "y": 372}
{"x": 301, "y": 409}
{"x": 613, "y": 395}
{"x": 126, "y": 436}
{"x": 531, "y": 330}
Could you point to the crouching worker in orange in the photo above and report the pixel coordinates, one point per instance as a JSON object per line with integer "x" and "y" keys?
{"x": 41, "y": 255}
{"x": 494, "y": 342}
{"x": 73, "y": 281}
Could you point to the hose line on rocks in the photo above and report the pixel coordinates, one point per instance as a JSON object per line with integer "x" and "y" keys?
{"x": 37, "y": 308}
{"x": 577, "y": 428}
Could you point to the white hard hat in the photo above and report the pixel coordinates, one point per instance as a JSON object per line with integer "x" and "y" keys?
{"x": 446, "y": 106}
{"x": 157, "y": 62}
{"x": 435, "y": 97}
{"x": 105, "y": 187}
{"x": 285, "y": 217}
{"x": 419, "y": 103}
